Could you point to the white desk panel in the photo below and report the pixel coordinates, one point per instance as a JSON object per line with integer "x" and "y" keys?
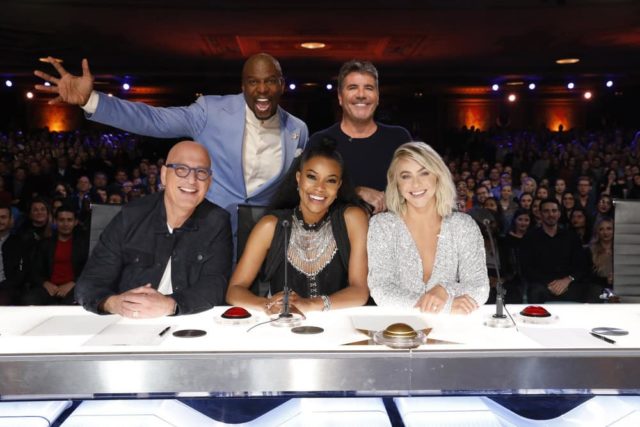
{"x": 35, "y": 360}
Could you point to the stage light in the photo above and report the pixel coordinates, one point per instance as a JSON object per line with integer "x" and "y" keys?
{"x": 9, "y": 83}
{"x": 329, "y": 86}
{"x": 532, "y": 86}
{"x": 126, "y": 86}
{"x": 292, "y": 86}
{"x": 47, "y": 84}
{"x": 109, "y": 94}
{"x": 587, "y": 95}
{"x": 29, "y": 95}
{"x": 495, "y": 87}
{"x": 609, "y": 83}
{"x": 571, "y": 85}
{"x": 512, "y": 97}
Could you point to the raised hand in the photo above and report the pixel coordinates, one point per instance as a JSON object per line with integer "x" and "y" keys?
{"x": 71, "y": 89}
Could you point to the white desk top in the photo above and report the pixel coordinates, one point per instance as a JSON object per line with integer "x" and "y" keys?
{"x": 41, "y": 330}
{"x": 57, "y": 352}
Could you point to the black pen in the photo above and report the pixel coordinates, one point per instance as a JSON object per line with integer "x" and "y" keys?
{"x": 164, "y": 331}
{"x": 603, "y": 338}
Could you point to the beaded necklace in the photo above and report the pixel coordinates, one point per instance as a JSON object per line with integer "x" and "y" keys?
{"x": 311, "y": 248}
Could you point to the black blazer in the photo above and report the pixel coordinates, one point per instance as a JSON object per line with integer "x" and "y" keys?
{"x": 135, "y": 247}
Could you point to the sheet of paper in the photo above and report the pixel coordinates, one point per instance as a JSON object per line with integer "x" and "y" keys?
{"x": 129, "y": 334}
{"x": 71, "y": 325}
{"x": 378, "y": 323}
{"x": 564, "y": 338}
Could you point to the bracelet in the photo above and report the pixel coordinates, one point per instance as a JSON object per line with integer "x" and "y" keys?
{"x": 326, "y": 302}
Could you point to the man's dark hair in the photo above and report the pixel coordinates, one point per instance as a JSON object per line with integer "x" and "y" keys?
{"x": 65, "y": 208}
{"x": 550, "y": 200}
{"x": 287, "y": 196}
{"x": 7, "y": 207}
{"x": 356, "y": 66}
{"x": 584, "y": 178}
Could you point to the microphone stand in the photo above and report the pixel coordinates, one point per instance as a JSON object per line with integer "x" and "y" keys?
{"x": 499, "y": 319}
{"x": 286, "y": 318}
{"x": 286, "y": 312}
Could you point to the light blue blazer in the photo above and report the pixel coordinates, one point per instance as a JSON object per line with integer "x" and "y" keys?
{"x": 217, "y": 122}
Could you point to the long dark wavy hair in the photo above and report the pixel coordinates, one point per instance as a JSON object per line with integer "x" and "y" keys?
{"x": 288, "y": 197}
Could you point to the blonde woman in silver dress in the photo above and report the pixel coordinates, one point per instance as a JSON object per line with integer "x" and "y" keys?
{"x": 421, "y": 252}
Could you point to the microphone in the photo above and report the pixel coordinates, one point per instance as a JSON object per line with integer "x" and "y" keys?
{"x": 286, "y": 318}
{"x": 497, "y": 320}
{"x": 286, "y": 310}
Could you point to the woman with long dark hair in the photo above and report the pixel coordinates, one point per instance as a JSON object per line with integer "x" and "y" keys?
{"x": 326, "y": 257}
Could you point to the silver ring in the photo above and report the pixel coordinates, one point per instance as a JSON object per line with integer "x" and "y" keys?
{"x": 135, "y": 314}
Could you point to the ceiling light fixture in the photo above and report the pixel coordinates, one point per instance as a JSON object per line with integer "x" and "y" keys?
{"x": 565, "y": 61}
{"x": 313, "y": 45}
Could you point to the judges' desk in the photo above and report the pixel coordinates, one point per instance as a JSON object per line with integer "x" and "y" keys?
{"x": 66, "y": 352}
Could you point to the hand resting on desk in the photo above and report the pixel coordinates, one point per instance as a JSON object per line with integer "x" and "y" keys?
{"x": 140, "y": 303}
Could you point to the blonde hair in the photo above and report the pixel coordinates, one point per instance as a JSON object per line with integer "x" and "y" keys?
{"x": 602, "y": 262}
{"x": 429, "y": 159}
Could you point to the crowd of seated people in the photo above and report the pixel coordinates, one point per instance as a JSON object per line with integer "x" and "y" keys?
{"x": 45, "y": 177}
{"x": 509, "y": 175}
{"x": 583, "y": 172}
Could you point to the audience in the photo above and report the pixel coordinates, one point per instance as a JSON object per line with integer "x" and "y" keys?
{"x": 10, "y": 271}
{"x": 601, "y": 254}
{"x": 40, "y": 171}
{"x": 553, "y": 260}
{"x": 58, "y": 262}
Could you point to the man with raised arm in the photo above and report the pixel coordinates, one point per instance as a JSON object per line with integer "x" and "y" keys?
{"x": 251, "y": 140}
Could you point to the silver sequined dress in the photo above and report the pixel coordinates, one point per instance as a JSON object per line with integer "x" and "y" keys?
{"x": 395, "y": 266}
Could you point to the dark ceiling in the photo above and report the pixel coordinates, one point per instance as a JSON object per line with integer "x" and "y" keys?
{"x": 427, "y": 44}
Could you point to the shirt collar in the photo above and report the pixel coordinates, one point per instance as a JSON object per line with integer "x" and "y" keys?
{"x": 272, "y": 122}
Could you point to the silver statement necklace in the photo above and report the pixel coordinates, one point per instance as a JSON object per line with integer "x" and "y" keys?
{"x": 311, "y": 249}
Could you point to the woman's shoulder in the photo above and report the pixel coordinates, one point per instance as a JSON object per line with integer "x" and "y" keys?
{"x": 354, "y": 213}
{"x": 267, "y": 224}
{"x": 460, "y": 218}
{"x": 384, "y": 219}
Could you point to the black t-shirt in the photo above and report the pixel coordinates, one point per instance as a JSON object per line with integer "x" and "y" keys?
{"x": 366, "y": 159}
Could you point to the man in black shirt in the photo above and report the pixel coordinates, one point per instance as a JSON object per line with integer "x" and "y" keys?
{"x": 365, "y": 145}
{"x": 553, "y": 261}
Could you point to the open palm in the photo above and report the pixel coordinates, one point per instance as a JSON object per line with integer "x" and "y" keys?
{"x": 71, "y": 89}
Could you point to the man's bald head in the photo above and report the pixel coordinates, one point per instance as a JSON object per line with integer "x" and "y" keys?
{"x": 186, "y": 176}
{"x": 193, "y": 148}
{"x": 260, "y": 58}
